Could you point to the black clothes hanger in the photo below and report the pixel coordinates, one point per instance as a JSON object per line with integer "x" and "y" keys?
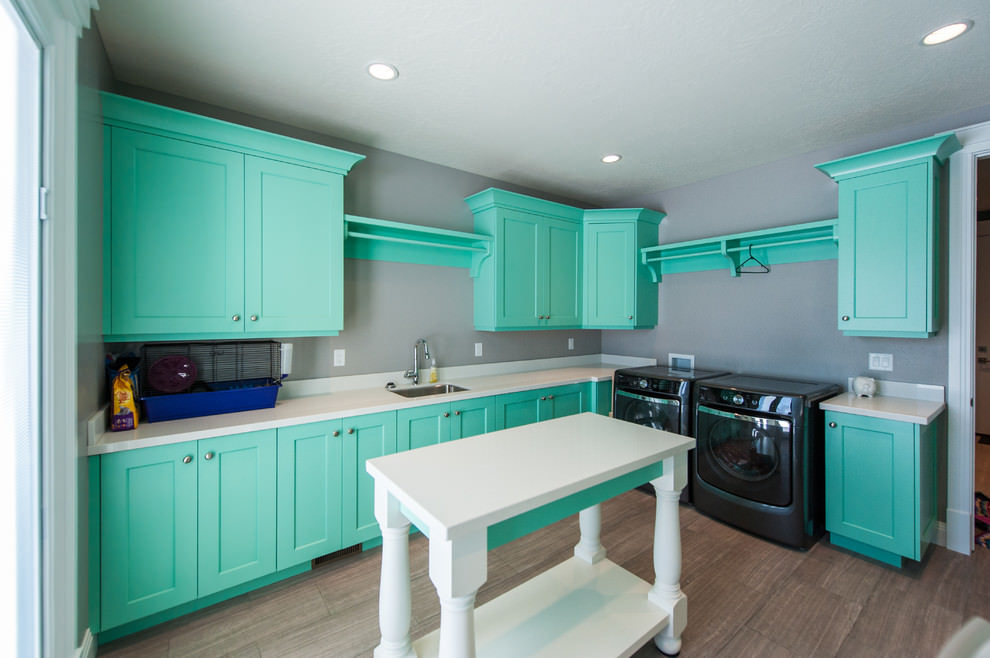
{"x": 763, "y": 269}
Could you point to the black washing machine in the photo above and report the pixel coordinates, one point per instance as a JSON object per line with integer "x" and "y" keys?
{"x": 760, "y": 456}
{"x": 660, "y": 397}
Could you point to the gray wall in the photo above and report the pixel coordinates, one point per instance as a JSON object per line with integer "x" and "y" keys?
{"x": 782, "y": 323}
{"x": 93, "y": 74}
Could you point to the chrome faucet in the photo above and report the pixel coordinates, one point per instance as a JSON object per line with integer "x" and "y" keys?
{"x": 414, "y": 373}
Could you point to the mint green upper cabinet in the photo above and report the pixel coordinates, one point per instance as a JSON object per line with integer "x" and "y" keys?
{"x": 294, "y": 246}
{"x": 175, "y": 262}
{"x": 148, "y": 531}
{"x": 236, "y": 509}
{"x": 888, "y": 238}
{"x": 365, "y": 437}
{"x": 532, "y": 280}
{"x": 619, "y": 292}
{"x": 214, "y": 230}
{"x": 309, "y": 492}
{"x": 880, "y": 485}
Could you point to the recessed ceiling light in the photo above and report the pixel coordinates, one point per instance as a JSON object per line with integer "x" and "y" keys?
{"x": 947, "y": 33}
{"x": 611, "y": 157}
{"x": 381, "y": 71}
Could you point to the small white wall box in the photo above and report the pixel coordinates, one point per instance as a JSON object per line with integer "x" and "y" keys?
{"x": 286, "y": 358}
{"x": 680, "y": 361}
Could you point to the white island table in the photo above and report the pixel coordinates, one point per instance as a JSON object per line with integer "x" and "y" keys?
{"x": 471, "y": 495}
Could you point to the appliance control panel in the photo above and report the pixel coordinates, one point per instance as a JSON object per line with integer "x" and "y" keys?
{"x": 776, "y": 404}
{"x": 636, "y": 383}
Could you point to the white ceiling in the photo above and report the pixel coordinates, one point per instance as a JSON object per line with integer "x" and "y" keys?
{"x": 534, "y": 92}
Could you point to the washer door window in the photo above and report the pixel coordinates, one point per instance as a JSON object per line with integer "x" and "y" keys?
{"x": 656, "y": 412}
{"x": 749, "y": 456}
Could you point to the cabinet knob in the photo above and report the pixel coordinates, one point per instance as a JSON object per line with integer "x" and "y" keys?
{"x": 350, "y": 430}
{"x": 540, "y": 317}
{"x": 254, "y": 318}
{"x": 457, "y": 413}
{"x": 208, "y": 456}
{"x": 236, "y": 318}
{"x": 548, "y": 317}
{"x": 549, "y": 397}
{"x": 845, "y": 318}
{"x": 543, "y": 397}
{"x": 336, "y": 432}
{"x": 630, "y": 317}
{"x": 832, "y": 424}
{"x": 187, "y": 459}
{"x": 446, "y": 414}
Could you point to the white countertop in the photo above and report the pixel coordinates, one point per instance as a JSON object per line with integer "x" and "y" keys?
{"x": 513, "y": 471}
{"x": 921, "y": 412}
{"x": 314, "y": 408}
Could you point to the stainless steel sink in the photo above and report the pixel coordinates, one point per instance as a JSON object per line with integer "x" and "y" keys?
{"x": 432, "y": 389}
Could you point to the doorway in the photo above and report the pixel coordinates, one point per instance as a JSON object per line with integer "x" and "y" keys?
{"x": 981, "y": 461}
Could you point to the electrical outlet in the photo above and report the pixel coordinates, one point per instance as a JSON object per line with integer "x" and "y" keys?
{"x": 881, "y": 361}
{"x": 570, "y": 343}
{"x": 477, "y": 349}
{"x": 338, "y": 358}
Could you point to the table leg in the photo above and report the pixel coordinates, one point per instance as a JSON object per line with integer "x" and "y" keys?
{"x": 458, "y": 568}
{"x": 394, "y": 595}
{"x": 666, "y": 591}
{"x": 590, "y": 547}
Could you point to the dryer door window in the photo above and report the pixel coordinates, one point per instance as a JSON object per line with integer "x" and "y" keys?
{"x": 656, "y": 412}
{"x": 749, "y": 456}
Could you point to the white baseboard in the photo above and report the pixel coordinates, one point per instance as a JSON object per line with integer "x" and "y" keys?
{"x": 88, "y": 647}
{"x": 961, "y": 540}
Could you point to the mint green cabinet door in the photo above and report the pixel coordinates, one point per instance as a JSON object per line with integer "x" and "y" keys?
{"x": 422, "y": 426}
{"x": 294, "y": 249}
{"x": 365, "y": 437}
{"x": 887, "y": 233}
{"x": 567, "y": 400}
{"x": 610, "y": 275}
{"x": 472, "y": 417}
{"x": 236, "y": 509}
{"x": 515, "y": 409}
{"x": 517, "y": 288}
{"x": 560, "y": 276}
{"x": 309, "y": 500}
{"x": 148, "y": 531}
{"x": 871, "y": 482}
{"x": 176, "y": 247}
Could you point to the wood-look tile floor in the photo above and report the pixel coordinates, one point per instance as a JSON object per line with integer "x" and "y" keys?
{"x": 746, "y": 596}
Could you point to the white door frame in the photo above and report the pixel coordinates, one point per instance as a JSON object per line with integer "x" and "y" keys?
{"x": 961, "y": 323}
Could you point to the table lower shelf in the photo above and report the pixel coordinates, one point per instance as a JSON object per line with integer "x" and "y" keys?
{"x": 573, "y": 609}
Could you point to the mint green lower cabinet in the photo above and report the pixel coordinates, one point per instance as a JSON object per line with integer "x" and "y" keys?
{"x": 236, "y": 509}
{"x": 148, "y": 518}
{"x": 472, "y": 417}
{"x": 365, "y": 437}
{"x": 438, "y": 423}
{"x": 515, "y": 409}
{"x": 524, "y": 407}
{"x": 567, "y": 400}
{"x": 422, "y": 426}
{"x": 880, "y": 485}
{"x": 309, "y": 492}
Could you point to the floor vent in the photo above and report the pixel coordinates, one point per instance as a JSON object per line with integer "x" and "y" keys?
{"x": 330, "y": 557}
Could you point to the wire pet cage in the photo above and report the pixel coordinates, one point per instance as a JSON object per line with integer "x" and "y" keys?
{"x": 185, "y": 380}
